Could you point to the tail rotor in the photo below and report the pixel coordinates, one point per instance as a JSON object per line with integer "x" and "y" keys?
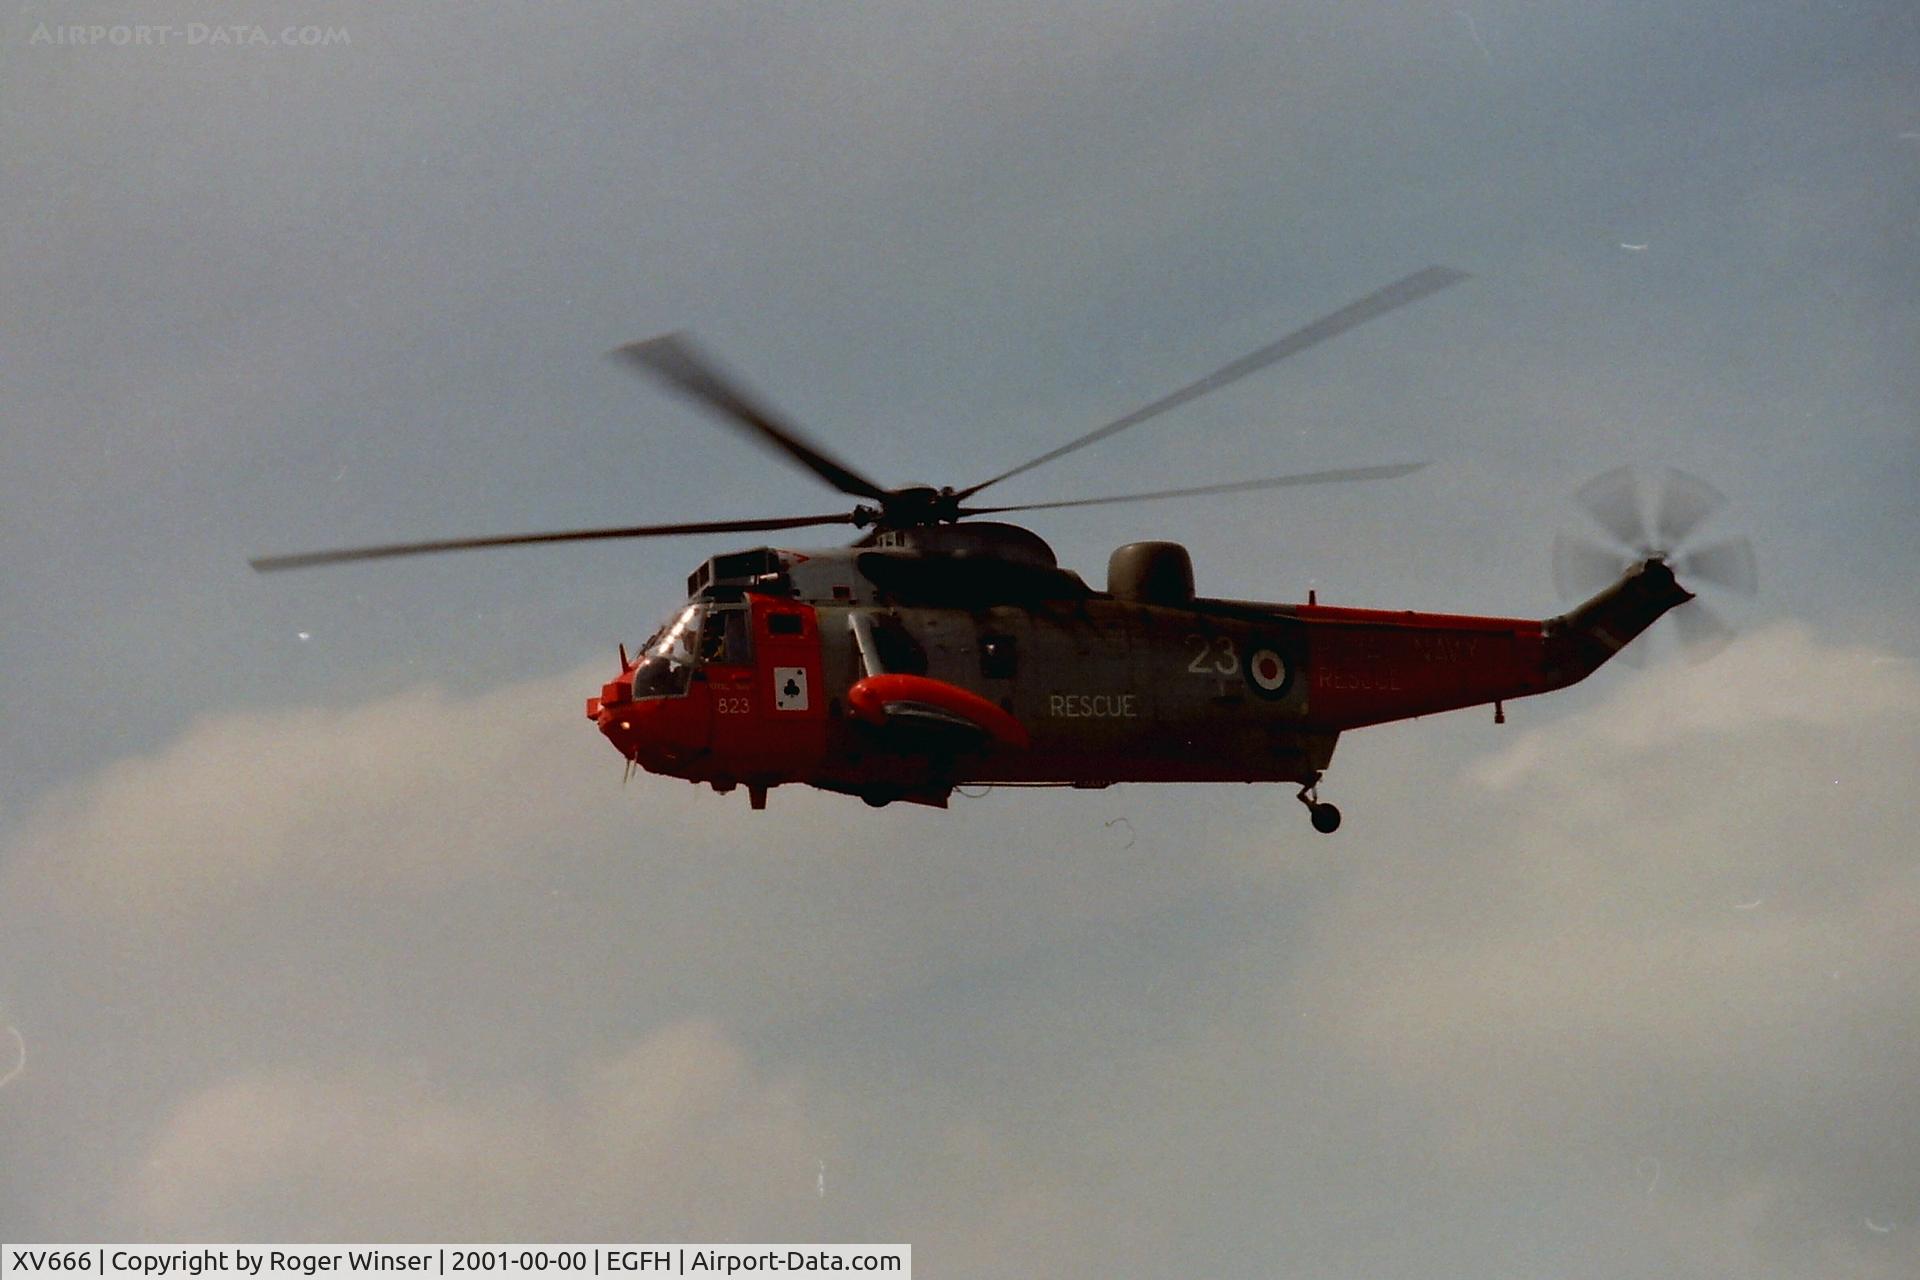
{"x": 1654, "y": 514}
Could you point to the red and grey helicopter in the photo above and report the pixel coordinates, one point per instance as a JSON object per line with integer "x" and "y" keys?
{"x": 941, "y": 649}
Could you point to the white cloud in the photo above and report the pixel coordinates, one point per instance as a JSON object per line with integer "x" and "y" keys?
{"x": 677, "y": 1137}
{"x": 1588, "y": 980}
{"x": 1783, "y": 678}
{"x": 993, "y": 1032}
{"x": 387, "y": 795}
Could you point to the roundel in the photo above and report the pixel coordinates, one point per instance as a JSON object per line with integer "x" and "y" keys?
{"x": 1268, "y": 671}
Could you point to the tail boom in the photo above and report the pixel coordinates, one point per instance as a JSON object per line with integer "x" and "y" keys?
{"x": 1370, "y": 666}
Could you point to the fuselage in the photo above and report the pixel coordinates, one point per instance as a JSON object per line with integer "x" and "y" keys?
{"x": 758, "y": 679}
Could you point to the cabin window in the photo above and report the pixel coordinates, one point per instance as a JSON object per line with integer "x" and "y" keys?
{"x": 999, "y": 658}
{"x": 784, "y": 624}
{"x": 900, "y": 653}
{"x": 725, "y": 638}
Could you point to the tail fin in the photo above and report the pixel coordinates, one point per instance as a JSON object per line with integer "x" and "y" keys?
{"x": 1582, "y": 639}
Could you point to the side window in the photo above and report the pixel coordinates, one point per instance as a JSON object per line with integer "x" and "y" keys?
{"x": 999, "y": 659}
{"x": 784, "y": 624}
{"x": 899, "y": 651}
{"x": 726, "y": 638}
{"x": 739, "y": 637}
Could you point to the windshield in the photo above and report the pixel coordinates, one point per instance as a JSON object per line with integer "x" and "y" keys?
{"x": 700, "y": 634}
{"x": 667, "y": 659}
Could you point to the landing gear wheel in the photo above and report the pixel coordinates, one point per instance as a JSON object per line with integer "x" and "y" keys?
{"x": 1326, "y": 818}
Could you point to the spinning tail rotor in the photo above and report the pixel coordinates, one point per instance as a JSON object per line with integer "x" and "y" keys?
{"x": 1654, "y": 516}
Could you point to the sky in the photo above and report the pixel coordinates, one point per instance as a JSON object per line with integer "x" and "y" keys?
{"x": 324, "y": 914}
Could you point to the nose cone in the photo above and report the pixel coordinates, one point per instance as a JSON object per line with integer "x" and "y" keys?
{"x": 623, "y": 724}
{"x": 661, "y": 734}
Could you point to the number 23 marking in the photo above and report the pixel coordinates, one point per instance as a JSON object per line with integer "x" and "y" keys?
{"x": 1215, "y": 655}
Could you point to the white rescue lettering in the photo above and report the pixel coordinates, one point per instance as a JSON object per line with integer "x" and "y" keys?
{"x": 1092, "y": 706}
{"x": 1374, "y": 681}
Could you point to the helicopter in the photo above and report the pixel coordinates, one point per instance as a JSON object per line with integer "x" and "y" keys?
{"x": 943, "y": 650}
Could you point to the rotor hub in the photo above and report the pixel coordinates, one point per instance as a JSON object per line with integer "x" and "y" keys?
{"x": 911, "y": 507}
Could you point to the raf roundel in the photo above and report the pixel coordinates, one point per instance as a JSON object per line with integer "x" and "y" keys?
{"x": 1268, "y": 672}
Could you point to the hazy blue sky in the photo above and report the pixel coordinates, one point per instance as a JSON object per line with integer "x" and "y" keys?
{"x": 358, "y": 935}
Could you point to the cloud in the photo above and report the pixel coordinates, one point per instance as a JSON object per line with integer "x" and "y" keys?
{"x": 1782, "y": 679}
{"x": 421, "y": 968}
{"x": 267, "y": 302}
{"x": 376, "y": 797}
{"x": 676, "y": 1137}
{"x": 1590, "y": 982}
{"x": 1000, "y": 1023}
{"x": 408, "y": 799}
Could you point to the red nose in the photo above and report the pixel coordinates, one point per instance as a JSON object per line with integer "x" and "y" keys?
{"x": 662, "y": 734}
{"x": 623, "y": 723}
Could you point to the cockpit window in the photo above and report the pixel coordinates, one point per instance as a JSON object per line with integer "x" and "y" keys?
{"x": 668, "y": 659}
{"x": 699, "y": 634}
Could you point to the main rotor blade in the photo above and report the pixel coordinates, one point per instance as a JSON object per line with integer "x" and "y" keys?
{"x": 1398, "y": 294}
{"x": 676, "y": 361}
{"x": 1237, "y": 486}
{"x": 308, "y": 559}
